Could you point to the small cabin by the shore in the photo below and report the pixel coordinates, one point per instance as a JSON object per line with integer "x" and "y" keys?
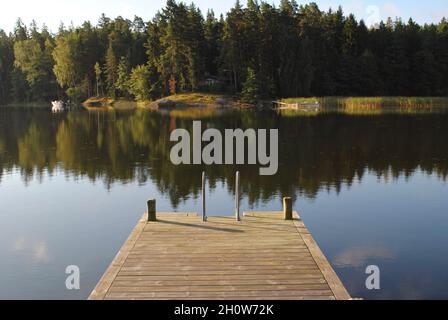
{"x": 211, "y": 83}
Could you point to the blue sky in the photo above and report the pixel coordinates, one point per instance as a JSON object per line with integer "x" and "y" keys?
{"x": 52, "y": 12}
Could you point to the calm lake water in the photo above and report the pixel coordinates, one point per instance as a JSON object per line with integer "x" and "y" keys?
{"x": 371, "y": 188}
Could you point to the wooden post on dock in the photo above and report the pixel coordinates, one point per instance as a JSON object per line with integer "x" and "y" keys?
{"x": 287, "y": 208}
{"x": 237, "y": 196}
{"x": 204, "y": 212}
{"x": 152, "y": 216}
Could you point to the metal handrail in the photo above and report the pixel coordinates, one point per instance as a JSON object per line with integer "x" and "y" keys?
{"x": 204, "y": 213}
{"x": 237, "y": 196}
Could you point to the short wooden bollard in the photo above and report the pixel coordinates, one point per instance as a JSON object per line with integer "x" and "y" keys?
{"x": 152, "y": 210}
{"x": 287, "y": 208}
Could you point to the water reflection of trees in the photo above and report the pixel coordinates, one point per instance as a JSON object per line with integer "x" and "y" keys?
{"x": 318, "y": 152}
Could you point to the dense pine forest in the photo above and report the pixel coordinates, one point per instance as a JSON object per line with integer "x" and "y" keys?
{"x": 258, "y": 50}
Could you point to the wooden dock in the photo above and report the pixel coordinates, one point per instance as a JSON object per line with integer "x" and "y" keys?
{"x": 180, "y": 257}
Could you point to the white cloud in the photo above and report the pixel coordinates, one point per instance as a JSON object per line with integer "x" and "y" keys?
{"x": 40, "y": 252}
{"x": 359, "y": 256}
{"x": 356, "y": 7}
{"x": 18, "y": 245}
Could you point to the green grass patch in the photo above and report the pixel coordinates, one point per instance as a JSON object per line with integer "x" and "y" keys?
{"x": 194, "y": 98}
{"x": 373, "y": 102}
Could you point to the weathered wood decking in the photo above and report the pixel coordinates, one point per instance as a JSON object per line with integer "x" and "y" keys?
{"x": 181, "y": 257}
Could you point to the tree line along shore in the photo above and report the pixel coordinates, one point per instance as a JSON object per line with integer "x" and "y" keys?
{"x": 198, "y": 99}
{"x": 255, "y": 52}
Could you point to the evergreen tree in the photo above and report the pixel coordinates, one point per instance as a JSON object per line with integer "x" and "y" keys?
{"x": 212, "y": 37}
{"x": 174, "y": 55}
{"x": 195, "y": 41}
{"x": 111, "y": 70}
{"x": 20, "y": 31}
{"x": 232, "y": 66}
{"x": 6, "y": 67}
{"x": 122, "y": 83}
{"x": 251, "y": 88}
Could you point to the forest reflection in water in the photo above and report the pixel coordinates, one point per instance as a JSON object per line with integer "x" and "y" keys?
{"x": 319, "y": 151}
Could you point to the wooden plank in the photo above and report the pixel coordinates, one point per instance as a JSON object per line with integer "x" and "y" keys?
{"x": 227, "y": 289}
{"x": 154, "y": 252}
{"x": 215, "y": 282}
{"x": 224, "y": 258}
{"x": 241, "y": 261}
{"x": 212, "y": 269}
{"x": 222, "y": 273}
{"x": 296, "y": 294}
{"x": 238, "y": 277}
{"x": 182, "y": 259}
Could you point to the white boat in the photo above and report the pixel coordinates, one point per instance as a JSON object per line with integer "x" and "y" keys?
{"x": 58, "y": 106}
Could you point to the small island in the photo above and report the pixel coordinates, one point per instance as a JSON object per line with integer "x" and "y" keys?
{"x": 183, "y": 100}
